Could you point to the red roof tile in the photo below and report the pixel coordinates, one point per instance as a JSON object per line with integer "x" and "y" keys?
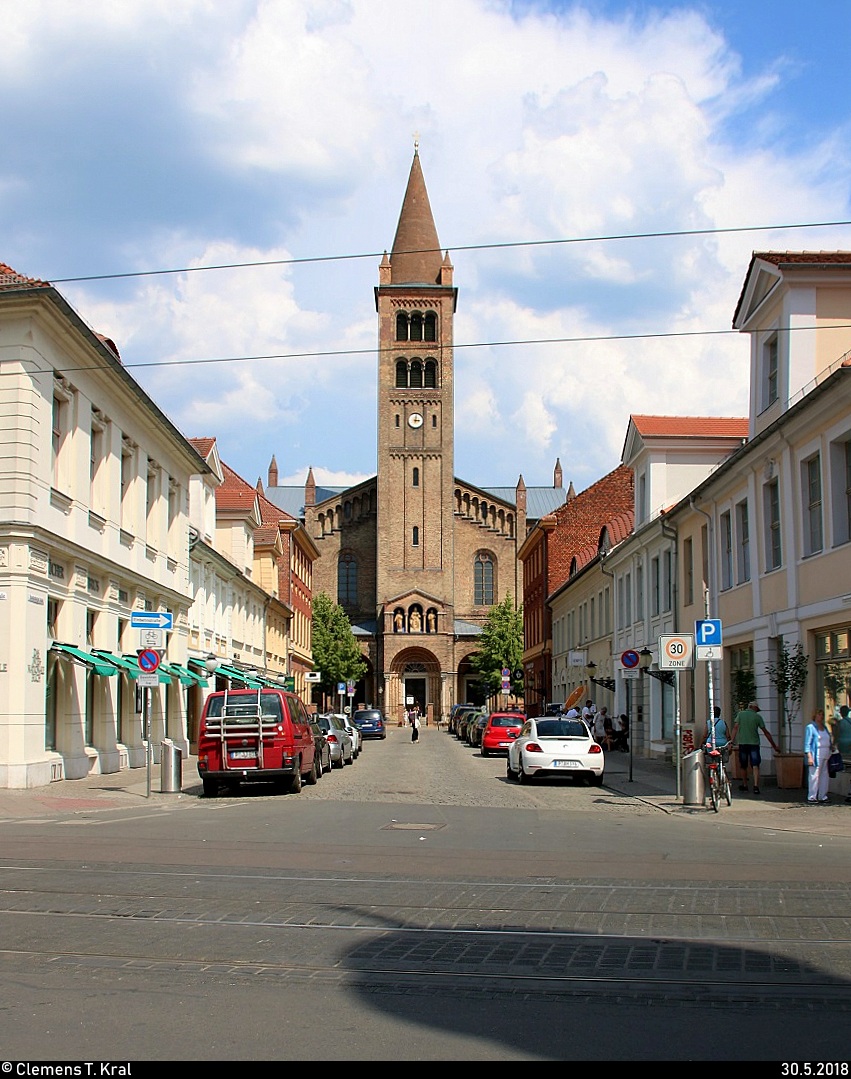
{"x": 202, "y": 445}
{"x": 691, "y": 426}
{"x": 809, "y": 258}
{"x": 11, "y": 279}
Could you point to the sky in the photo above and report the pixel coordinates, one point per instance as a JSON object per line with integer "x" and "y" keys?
{"x": 151, "y": 135}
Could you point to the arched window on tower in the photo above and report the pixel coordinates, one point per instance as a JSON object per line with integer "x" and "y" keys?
{"x": 430, "y": 374}
{"x": 347, "y": 580}
{"x": 416, "y": 374}
{"x": 401, "y": 373}
{"x": 415, "y": 477}
{"x": 483, "y": 575}
{"x": 430, "y": 326}
{"x": 401, "y": 326}
{"x": 416, "y": 326}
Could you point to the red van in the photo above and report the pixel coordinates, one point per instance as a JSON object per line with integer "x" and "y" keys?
{"x": 255, "y": 736}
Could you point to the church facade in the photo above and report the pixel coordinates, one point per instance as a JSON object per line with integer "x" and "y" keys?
{"x": 414, "y": 555}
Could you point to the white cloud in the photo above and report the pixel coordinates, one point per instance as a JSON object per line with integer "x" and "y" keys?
{"x": 296, "y": 120}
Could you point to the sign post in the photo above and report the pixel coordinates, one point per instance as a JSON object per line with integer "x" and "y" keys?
{"x": 149, "y": 661}
{"x": 676, "y": 653}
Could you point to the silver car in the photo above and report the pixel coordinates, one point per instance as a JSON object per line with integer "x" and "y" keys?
{"x": 342, "y": 750}
{"x": 353, "y": 733}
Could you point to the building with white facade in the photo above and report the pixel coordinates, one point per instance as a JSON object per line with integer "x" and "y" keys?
{"x": 93, "y": 527}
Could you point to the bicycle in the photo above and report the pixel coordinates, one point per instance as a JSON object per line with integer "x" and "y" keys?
{"x": 719, "y": 781}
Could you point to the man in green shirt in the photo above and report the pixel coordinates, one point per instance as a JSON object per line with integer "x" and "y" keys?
{"x": 746, "y": 728}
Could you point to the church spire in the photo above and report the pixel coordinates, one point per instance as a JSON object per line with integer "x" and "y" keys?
{"x": 415, "y": 258}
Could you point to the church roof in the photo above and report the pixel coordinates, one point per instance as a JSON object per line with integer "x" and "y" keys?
{"x": 539, "y": 500}
{"x": 415, "y": 258}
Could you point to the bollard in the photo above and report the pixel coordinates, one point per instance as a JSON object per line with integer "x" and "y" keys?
{"x": 171, "y": 768}
{"x": 694, "y": 779}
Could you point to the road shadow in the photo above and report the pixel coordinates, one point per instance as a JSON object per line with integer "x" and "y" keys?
{"x": 565, "y": 995}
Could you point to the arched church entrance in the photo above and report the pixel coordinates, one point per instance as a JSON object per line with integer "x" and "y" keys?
{"x": 414, "y": 682}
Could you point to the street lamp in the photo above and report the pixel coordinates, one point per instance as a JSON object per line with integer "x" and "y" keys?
{"x": 645, "y": 658}
{"x": 211, "y": 662}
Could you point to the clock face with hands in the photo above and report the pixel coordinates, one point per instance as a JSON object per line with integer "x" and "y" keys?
{"x": 415, "y": 420}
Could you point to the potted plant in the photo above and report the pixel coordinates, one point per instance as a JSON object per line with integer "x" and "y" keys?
{"x": 788, "y": 675}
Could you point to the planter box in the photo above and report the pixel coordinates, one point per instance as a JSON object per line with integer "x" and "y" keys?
{"x": 790, "y": 770}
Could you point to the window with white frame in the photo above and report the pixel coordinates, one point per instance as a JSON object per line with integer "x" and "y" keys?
{"x": 771, "y": 517}
{"x": 628, "y": 598}
{"x": 667, "y": 581}
{"x": 688, "y": 571}
{"x": 61, "y": 434}
{"x": 840, "y": 486}
{"x": 639, "y": 593}
{"x": 152, "y": 494}
{"x": 97, "y": 463}
{"x": 641, "y": 497}
{"x": 654, "y": 587}
{"x": 128, "y": 468}
{"x": 743, "y": 543}
{"x": 812, "y": 507}
{"x": 726, "y": 527}
{"x": 769, "y": 371}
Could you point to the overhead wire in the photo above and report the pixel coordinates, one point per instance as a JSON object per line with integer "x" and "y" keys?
{"x": 528, "y": 342}
{"x": 502, "y": 245}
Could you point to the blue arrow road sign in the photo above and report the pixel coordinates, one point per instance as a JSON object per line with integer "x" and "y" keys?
{"x": 151, "y": 620}
{"x": 708, "y": 631}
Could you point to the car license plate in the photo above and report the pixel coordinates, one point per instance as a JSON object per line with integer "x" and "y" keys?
{"x": 242, "y": 754}
{"x": 566, "y": 764}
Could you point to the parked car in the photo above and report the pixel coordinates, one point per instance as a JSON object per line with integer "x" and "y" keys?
{"x": 353, "y": 733}
{"x": 323, "y": 750}
{"x": 255, "y": 735}
{"x": 370, "y": 723}
{"x": 500, "y": 731}
{"x": 338, "y": 740}
{"x": 454, "y": 714}
{"x": 556, "y": 746}
{"x": 475, "y": 729}
{"x": 462, "y": 718}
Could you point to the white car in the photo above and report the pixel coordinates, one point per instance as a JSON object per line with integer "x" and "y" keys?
{"x": 556, "y": 746}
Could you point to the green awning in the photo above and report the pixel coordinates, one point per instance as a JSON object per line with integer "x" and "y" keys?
{"x": 187, "y": 677}
{"x": 93, "y": 662}
{"x": 132, "y": 669}
{"x": 236, "y": 675}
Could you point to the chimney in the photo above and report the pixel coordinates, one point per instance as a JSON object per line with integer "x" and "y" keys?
{"x": 273, "y": 472}
{"x": 310, "y": 489}
{"x": 558, "y": 479}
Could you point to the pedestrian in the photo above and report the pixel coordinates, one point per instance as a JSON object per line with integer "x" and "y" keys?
{"x": 589, "y": 712}
{"x": 599, "y": 722}
{"x": 818, "y": 746}
{"x": 716, "y": 734}
{"x": 415, "y": 727}
{"x": 620, "y": 732}
{"x": 746, "y": 728}
{"x": 842, "y": 731}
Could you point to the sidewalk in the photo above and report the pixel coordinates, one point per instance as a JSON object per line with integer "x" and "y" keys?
{"x": 654, "y": 782}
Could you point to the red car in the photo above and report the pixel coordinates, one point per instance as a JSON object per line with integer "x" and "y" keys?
{"x": 500, "y": 732}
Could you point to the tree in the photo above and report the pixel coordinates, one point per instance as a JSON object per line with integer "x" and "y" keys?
{"x": 789, "y": 676}
{"x": 501, "y": 646}
{"x": 335, "y": 651}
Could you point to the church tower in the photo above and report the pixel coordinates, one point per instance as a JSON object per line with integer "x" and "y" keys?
{"x": 415, "y": 300}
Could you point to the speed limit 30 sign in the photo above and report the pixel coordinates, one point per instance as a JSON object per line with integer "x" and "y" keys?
{"x": 676, "y": 652}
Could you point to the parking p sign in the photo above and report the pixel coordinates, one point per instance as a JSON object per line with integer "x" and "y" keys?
{"x": 708, "y": 632}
